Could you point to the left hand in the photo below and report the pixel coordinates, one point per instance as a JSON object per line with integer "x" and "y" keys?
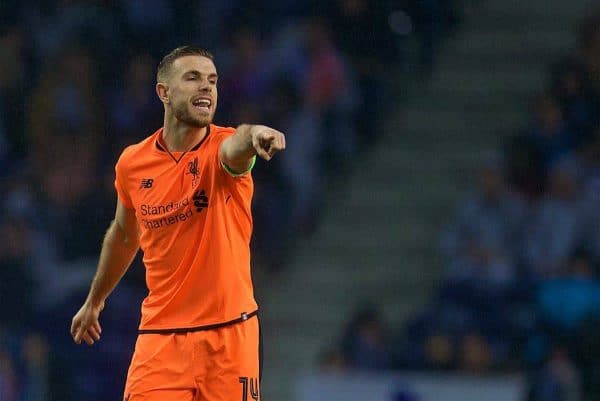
{"x": 267, "y": 141}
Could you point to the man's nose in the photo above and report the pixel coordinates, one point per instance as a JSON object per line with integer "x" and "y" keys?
{"x": 204, "y": 86}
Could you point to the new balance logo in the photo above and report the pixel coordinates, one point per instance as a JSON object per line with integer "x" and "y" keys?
{"x": 200, "y": 200}
{"x": 146, "y": 183}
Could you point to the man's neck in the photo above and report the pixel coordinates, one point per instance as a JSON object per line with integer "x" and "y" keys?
{"x": 180, "y": 137}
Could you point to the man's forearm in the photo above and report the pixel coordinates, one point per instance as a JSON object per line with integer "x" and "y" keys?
{"x": 118, "y": 251}
{"x": 238, "y": 150}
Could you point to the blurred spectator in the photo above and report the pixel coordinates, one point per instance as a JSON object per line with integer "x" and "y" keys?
{"x": 439, "y": 352}
{"x": 285, "y": 110}
{"x": 568, "y": 79}
{"x": 245, "y": 73}
{"x": 208, "y": 20}
{"x": 13, "y": 83}
{"x": 17, "y": 279}
{"x": 482, "y": 269}
{"x": 35, "y": 356}
{"x": 133, "y": 103}
{"x": 558, "y": 380}
{"x": 330, "y": 94}
{"x": 8, "y": 379}
{"x": 65, "y": 111}
{"x": 430, "y": 338}
{"x": 150, "y": 20}
{"x": 362, "y": 32}
{"x": 556, "y": 223}
{"x": 487, "y": 222}
{"x": 565, "y": 302}
{"x": 327, "y": 84}
{"x": 364, "y": 343}
{"x": 64, "y": 212}
{"x": 287, "y": 54}
{"x": 549, "y": 132}
{"x": 23, "y": 367}
{"x": 54, "y": 24}
{"x": 475, "y": 354}
{"x": 591, "y": 194}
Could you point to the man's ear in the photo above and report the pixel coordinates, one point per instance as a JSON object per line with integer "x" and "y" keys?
{"x": 162, "y": 90}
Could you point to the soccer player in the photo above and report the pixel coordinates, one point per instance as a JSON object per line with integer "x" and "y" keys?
{"x": 184, "y": 198}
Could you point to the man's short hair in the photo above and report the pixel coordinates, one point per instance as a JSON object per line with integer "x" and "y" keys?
{"x": 165, "y": 64}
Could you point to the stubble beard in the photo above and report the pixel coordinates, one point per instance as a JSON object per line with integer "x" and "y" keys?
{"x": 183, "y": 114}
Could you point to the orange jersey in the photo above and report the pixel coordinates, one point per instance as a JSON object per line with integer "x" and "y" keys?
{"x": 195, "y": 226}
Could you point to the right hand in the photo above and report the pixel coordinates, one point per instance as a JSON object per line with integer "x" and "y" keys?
{"x": 85, "y": 324}
{"x": 267, "y": 141}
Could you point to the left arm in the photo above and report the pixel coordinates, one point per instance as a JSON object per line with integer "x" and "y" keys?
{"x": 237, "y": 151}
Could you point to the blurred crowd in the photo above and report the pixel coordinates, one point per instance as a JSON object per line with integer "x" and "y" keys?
{"x": 521, "y": 290}
{"x": 77, "y": 84}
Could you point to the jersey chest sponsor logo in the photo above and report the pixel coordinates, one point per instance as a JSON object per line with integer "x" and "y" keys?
{"x": 154, "y": 216}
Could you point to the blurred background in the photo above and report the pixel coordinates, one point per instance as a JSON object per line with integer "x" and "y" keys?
{"x": 432, "y": 232}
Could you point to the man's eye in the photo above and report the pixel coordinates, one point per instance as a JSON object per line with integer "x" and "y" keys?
{"x": 192, "y": 78}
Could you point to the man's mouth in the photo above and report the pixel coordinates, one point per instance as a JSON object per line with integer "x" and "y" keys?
{"x": 202, "y": 103}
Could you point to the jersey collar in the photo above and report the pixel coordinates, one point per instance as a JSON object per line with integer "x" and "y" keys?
{"x": 163, "y": 148}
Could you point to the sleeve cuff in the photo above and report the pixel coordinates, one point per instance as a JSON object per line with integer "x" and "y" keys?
{"x": 239, "y": 174}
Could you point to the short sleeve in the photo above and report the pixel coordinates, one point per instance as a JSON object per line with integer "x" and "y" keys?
{"x": 120, "y": 186}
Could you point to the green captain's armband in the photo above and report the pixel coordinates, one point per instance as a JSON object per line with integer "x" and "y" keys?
{"x": 236, "y": 174}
